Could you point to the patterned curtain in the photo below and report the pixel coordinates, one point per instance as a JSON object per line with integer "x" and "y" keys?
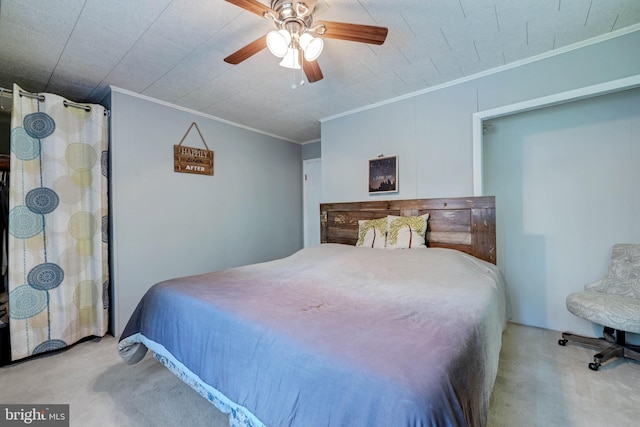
{"x": 58, "y": 249}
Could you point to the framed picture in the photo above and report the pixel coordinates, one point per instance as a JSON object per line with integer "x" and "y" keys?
{"x": 383, "y": 175}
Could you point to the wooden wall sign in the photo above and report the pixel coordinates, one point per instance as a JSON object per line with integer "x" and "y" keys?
{"x": 192, "y": 160}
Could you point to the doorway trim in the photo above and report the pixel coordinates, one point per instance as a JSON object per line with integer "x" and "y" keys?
{"x": 534, "y": 104}
{"x": 305, "y": 195}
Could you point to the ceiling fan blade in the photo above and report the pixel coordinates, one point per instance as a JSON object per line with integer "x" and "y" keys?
{"x": 352, "y": 32}
{"x": 247, "y": 52}
{"x": 253, "y": 6}
{"x": 312, "y": 70}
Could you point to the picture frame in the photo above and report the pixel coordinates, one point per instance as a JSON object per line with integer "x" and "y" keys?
{"x": 383, "y": 175}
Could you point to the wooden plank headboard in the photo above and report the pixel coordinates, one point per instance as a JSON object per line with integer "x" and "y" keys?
{"x": 467, "y": 224}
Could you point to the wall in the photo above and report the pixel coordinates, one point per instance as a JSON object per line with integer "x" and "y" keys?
{"x": 431, "y": 132}
{"x": 311, "y": 150}
{"x": 167, "y": 224}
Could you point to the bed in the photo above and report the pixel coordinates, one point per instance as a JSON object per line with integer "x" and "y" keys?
{"x": 338, "y": 334}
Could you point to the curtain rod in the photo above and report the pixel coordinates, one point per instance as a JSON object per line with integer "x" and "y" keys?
{"x": 23, "y": 93}
{"x": 41, "y": 99}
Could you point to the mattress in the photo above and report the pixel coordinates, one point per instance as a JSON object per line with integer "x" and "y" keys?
{"x": 333, "y": 335}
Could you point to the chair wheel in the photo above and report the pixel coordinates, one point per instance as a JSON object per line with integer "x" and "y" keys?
{"x": 562, "y": 342}
{"x": 594, "y": 366}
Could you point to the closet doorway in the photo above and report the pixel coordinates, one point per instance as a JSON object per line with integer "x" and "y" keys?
{"x": 565, "y": 180}
{"x": 56, "y": 228}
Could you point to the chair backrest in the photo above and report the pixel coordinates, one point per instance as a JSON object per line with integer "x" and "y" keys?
{"x": 623, "y": 276}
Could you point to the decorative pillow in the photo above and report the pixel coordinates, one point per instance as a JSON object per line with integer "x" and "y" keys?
{"x": 372, "y": 233}
{"x": 406, "y": 232}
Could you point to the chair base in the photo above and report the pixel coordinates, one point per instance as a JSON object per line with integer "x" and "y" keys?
{"x": 612, "y": 344}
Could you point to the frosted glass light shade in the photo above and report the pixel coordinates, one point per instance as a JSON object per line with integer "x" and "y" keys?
{"x": 291, "y": 59}
{"x": 278, "y": 42}
{"x": 312, "y": 46}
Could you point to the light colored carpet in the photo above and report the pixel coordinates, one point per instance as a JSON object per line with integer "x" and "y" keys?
{"x": 539, "y": 383}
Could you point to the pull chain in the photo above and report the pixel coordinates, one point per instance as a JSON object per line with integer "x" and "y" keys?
{"x": 293, "y": 78}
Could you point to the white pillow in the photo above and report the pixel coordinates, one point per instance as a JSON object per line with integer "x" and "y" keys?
{"x": 372, "y": 233}
{"x": 406, "y": 232}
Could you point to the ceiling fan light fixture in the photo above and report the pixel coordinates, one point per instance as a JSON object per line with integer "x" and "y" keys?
{"x": 297, "y": 39}
{"x": 291, "y": 59}
{"x": 278, "y": 42}
{"x": 312, "y": 46}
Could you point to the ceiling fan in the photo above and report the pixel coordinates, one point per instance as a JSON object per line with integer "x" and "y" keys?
{"x": 295, "y": 39}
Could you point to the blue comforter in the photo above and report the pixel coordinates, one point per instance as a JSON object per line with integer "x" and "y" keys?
{"x": 336, "y": 335}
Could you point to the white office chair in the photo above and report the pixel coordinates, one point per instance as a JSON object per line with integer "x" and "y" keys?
{"x": 614, "y": 302}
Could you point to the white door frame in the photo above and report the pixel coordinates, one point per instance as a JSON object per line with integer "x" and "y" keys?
{"x": 305, "y": 163}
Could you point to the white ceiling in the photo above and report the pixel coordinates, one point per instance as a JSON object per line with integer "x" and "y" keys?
{"x": 173, "y": 50}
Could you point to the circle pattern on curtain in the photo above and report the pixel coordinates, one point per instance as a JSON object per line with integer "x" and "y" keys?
{"x": 39, "y": 125}
{"x": 24, "y": 223}
{"x": 104, "y": 162}
{"x": 49, "y": 345}
{"x": 26, "y": 302}
{"x": 105, "y": 295}
{"x": 24, "y": 146}
{"x": 45, "y": 276}
{"x": 42, "y": 200}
